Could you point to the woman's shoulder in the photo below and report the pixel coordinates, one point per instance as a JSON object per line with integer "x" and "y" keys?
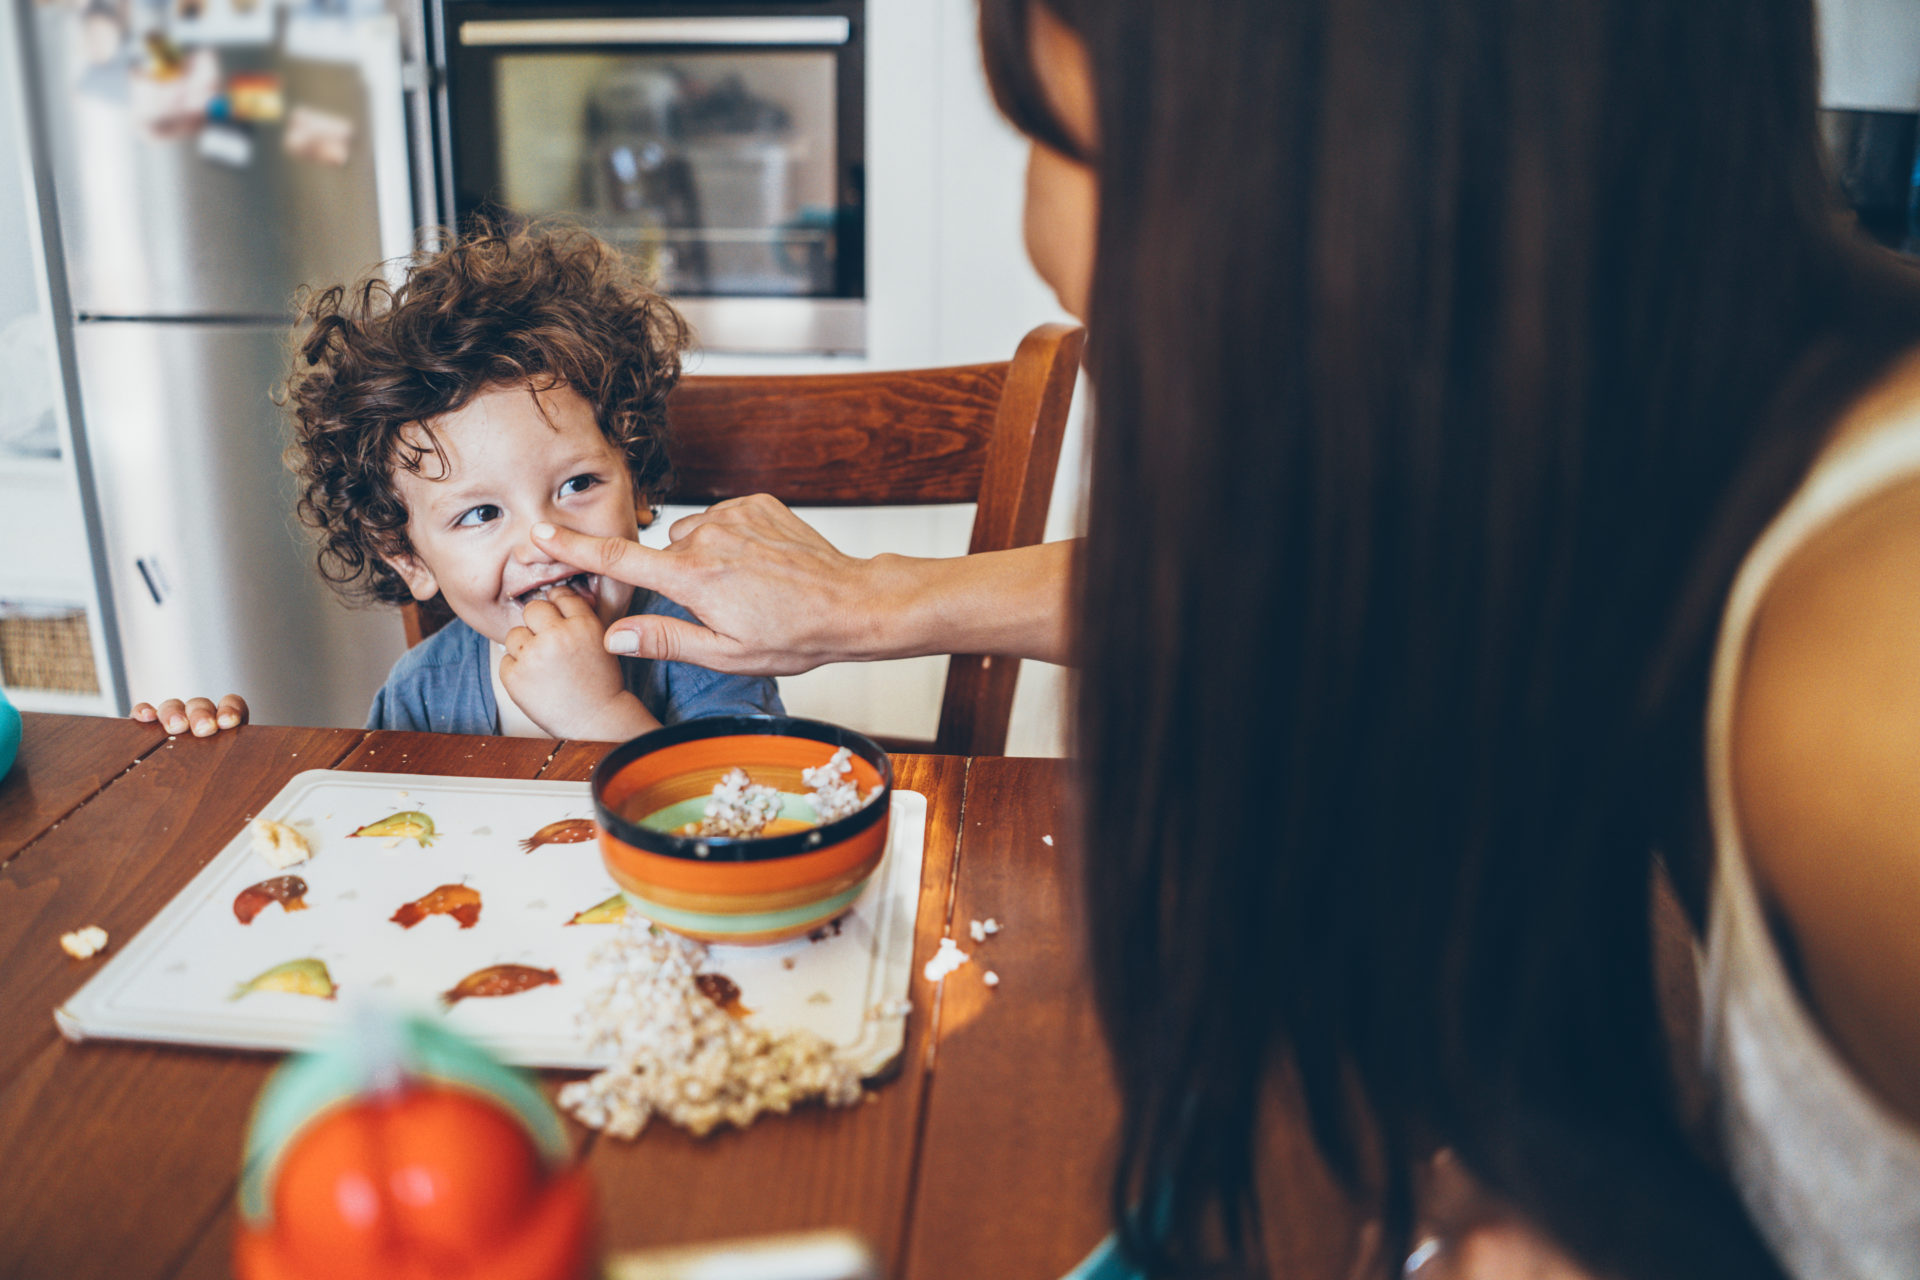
{"x": 1826, "y": 757}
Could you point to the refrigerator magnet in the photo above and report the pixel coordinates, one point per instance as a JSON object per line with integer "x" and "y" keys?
{"x": 255, "y": 97}
{"x": 227, "y": 145}
{"x": 103, "y": 34}
{"x": 318, "y": 136}
{"x": 170, "y": 98}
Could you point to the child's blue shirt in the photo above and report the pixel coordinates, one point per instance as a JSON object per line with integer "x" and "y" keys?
{"x": 444, "y": 684}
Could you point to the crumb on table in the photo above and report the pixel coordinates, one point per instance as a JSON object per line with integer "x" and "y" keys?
{"x": 948, "y": 958}
{"x": 84, "y": 944}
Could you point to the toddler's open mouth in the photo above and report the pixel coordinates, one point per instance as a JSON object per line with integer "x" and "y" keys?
{"x": 586, "y": 584}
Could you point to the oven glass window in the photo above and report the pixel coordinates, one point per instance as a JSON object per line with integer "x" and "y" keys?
{"x": 718, "y": 170}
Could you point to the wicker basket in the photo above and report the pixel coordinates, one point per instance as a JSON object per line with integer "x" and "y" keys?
{"x": 42, "y": 648}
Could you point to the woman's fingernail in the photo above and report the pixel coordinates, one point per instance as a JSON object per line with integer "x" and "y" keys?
{"x": 228, "y": 720}
{"x": 623, "y": 642}
{"x": 176, "y": 725}
{"x": 543, "y": 530}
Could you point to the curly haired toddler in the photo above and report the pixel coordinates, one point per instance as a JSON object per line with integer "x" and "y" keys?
{"x": 511, "y": 379}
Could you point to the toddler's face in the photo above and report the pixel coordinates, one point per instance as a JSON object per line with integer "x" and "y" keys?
{"x": 514, "y": 458}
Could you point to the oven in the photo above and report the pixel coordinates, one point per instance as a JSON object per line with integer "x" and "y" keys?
{"x": 722, "y": 144}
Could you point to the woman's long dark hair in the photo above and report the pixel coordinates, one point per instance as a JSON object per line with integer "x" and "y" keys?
{"x": 1447, "y": 357}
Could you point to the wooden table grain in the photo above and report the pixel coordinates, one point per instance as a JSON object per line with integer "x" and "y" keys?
{"x": 984, "y": 1156}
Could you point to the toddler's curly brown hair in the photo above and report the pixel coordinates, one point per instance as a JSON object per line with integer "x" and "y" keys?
{"x": 376, "y": 364}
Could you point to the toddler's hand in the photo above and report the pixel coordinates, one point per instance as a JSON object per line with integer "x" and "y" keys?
{"x": 196, "y": 715}
{"x": 558, "y": 672}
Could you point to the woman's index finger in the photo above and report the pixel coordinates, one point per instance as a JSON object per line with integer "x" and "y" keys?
{"x": 622, "y": 559}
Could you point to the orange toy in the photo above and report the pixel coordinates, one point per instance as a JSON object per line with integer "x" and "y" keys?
{"x": 431, "y": 1172}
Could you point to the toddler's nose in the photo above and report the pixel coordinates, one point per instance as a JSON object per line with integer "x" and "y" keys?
{"x": 525, "y": 552}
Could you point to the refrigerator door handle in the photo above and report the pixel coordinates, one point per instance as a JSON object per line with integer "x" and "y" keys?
{"x": 151, "y": 575}
{"x": 805, "y": 30}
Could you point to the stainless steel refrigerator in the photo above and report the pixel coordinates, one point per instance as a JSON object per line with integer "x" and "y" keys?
{"x": 204, "y": 160}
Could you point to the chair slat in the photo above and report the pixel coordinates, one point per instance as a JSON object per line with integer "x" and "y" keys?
{"x": 868, "y": 439}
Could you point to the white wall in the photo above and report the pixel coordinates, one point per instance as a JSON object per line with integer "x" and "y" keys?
{"x": 1870, "y": 54}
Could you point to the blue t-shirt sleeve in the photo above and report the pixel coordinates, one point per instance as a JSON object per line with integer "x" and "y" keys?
{"x": 398, "y": 704}
{"x": 676, "y": 691}
{"x": 441, "y": 685}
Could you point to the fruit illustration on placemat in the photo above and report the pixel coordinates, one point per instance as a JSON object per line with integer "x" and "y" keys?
{"x": 612, "y": 911}
{"x": 566, "y": 831}
{"x": 303, "y": 977}
{"x": 460, "y": 901}
{"x": 499, "y": 980}
{"x": 289, "y": 891}
{"x": 410, "y": 824}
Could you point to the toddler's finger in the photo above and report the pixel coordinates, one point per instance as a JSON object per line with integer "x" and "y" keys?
{"x": 538, "y": 615}
{"x": 233, "y": 711}
{"x": 200, "y": 717}
{"x": 569, "y": 603}
{"x": 173, "y": 715}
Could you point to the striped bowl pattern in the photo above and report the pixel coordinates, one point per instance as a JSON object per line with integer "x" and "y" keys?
{"x": 737, "y": 891}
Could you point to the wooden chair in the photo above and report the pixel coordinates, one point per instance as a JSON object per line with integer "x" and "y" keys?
{"x": 987, "y": 434}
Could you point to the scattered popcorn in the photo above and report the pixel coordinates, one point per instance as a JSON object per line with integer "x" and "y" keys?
{"x": 740, "y": 807}
{"x": 991, "y": 978}
{"x": 990, "y": 926}
{"x": 680, "y": 1056}
{"x": 977, "y": 931}
{"x": 279, "y": 843}
{"x": 1046, "y": 840}
{"x": 84, "y": 944}
{"x": 948, "y": 958}
{"x": 893, "y": 1008}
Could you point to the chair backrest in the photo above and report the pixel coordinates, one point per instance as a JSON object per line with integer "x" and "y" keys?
{"x": 988, "y": 434}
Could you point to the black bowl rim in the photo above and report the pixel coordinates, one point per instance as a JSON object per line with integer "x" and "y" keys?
{"x": 752, "y": 848}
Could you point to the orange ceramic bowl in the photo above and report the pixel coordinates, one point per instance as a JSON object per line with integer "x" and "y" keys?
{"x": 763, "y": 889}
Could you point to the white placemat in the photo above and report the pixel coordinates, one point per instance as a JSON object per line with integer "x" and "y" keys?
{"x": 174, "y": 981}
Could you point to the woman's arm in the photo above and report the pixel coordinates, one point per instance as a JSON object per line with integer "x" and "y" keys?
{"x": 775, "y": 598}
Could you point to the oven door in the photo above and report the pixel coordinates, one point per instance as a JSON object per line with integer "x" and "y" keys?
{"x": 721, "y": 144}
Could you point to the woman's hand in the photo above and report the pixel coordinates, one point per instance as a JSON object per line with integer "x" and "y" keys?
{"x": 775, "y": 598}
{"x": 196, "y": 715}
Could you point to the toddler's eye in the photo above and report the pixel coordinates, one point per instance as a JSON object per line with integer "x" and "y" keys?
{"x": 485, "y": 513}
{"x": 578, "y": 484}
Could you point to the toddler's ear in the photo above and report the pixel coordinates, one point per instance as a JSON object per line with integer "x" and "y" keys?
{"x": 419, "y": 579}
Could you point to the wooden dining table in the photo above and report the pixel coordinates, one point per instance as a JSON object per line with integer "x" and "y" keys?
{"x": 986, "y": 1155}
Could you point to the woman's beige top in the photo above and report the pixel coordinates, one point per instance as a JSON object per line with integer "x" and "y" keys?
{"x": 1829, "y": 1174}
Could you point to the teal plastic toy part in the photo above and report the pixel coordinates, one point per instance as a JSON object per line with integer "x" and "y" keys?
{"x": 381, "y": 1052}
{"x": 9, "y": 734}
